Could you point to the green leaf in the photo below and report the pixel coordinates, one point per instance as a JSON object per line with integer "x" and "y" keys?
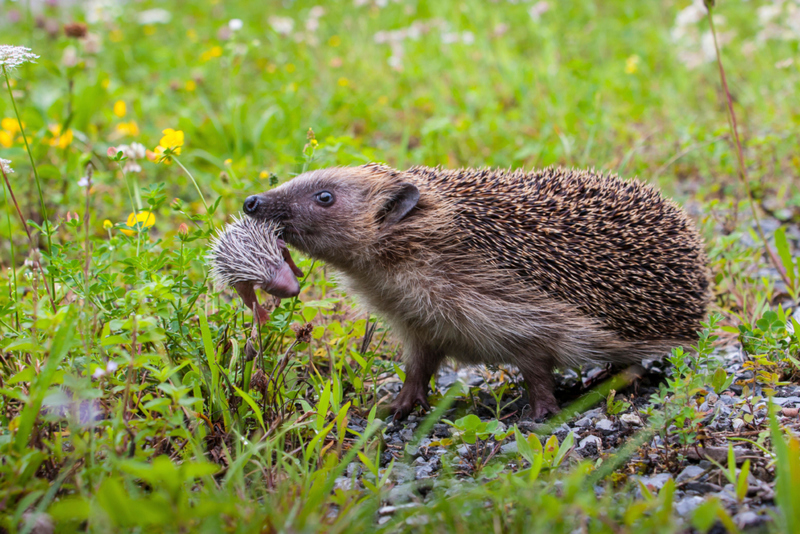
{"x": 785, "y": 253}
{"x": 63, "y": 339}
{"x": 741, "y": 486}
{"x": 254, "y": 405}
{"x": 564, "y": 449}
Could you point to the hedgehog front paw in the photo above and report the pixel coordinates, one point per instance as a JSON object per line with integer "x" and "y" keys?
{"x": 406, "y": 400}
{"x": 544, "y": 406}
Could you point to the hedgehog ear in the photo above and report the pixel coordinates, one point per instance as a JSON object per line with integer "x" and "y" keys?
{"x": 401, "y": 202}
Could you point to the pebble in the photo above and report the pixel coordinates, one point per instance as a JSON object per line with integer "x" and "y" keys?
{"x": 631, "y": 419}
{"x": 747, "y": 519}
{"x": 583, "y": 423}
{"x": 781, "y": 401}
{"x": 656, "y": 482}
{"x": 509, "y": 448}
{"x": 606, "y": 426}
{"x": 690, "y": 472}
{"x": 686, "y": 506}
{"x": 737, "y": 424}
{"x": 590, "y": 440}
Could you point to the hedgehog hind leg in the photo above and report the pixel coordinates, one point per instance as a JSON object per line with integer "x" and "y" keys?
{"x": 421, "y": 363}
{"x": 541, "y": 389}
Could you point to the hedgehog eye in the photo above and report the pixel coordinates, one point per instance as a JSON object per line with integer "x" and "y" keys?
{"x": 324, "y": 198}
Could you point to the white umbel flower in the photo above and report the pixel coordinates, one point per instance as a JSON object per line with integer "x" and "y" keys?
{"x": 6, "y": 166}
{"x": 12, "y": 57}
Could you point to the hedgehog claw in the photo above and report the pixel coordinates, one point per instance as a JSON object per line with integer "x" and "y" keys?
{"x": 405, "y": 402}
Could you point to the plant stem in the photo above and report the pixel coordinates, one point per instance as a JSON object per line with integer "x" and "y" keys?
{"x": 739, "y": 154}
{"x": 36, "y": 176}
{"x": 30, "y": 238}
{"x": 199, "y": 192}
{"x": 13, "y": 295}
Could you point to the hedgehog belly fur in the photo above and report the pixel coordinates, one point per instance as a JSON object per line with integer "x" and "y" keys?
{"x": 453, "y": 315}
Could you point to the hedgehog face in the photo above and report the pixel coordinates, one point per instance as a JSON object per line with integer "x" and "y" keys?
{"x": 331, "y": 214}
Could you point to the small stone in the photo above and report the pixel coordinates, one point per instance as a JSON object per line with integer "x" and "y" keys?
{"x": 782, "y": 401}
{"x": 343, "y": 483}
{"x": 463, "y": 450}
{"x": 605, "y": 426}
{"x": 631, "y": 419}
{"x": 590, "y": 440}
{"x": 655, "y": 482}
{"x": 690, "y": 472}
{"x": 727, "y": 399}
{"x": 686, "y": 506}
{"x": 509, "y": 448}
{"x": 583, "y": 423}
{"x": 424, "y": 471}
{"x": 790, "y": 412}
{"x": 353, "y": 469}
{"x": 747, "y": 519}
{"x": 737, "y": 424}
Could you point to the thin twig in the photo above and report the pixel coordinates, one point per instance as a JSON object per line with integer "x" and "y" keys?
{"x": 738, "y": 145}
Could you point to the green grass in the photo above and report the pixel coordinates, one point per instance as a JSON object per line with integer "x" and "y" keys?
{"x": 128, "y": 401}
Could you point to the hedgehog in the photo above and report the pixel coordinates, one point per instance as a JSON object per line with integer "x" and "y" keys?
{"x": 543, "y": 269}
{"x": 248, "y": 255}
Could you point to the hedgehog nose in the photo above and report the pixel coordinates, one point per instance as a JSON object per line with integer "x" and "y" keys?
{"x": 251, "y": 204}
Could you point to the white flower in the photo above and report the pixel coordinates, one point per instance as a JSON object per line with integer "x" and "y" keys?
{"x": 99, "y": 372}
{"x": 111, "y": 366}
{"x": 155, "y": 16}
{"x": 132, "y": 152}
{"x": 235, "y": 25}
{"x": 282, "y": 25}
{"x": 537, "y": 10}
{"x": 84, "y": 181}
{"x": 691, "y": 14}
{"x": 12, "y": 57}
{"x": 6, "y": 166}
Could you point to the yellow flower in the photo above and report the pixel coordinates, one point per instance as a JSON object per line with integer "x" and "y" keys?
{"x": 263, "y": 175}
{"x": 290, "y": 68}
{"x": 215, "y": 51}
{"x": 190, "y": 85}
{"x": 120, "y": 108}
{"x": 313, "y": 143}
{"x": 632, "y": 64}
{"x": 228, "y": 161}
{"x": 158, "y": 155}
{"x": 6, "y": 139}
{"x": 61, "y": 140}
{"x": 172, "y": 139}
{"x": 108, "y": 225}
{"x": 344, "y": 82}
{"x": 383, "y": 100}
{"x": 116, "y": 36}
{"x": 10, "y": 125}
{"x": 191, "y": 34}
{"x": 105, "y": 83}
{"x": 334, "y": 41}
{"x": 145, "y": 219}
{"x": 128, "y": 128}
{"x": 149, "y": 29}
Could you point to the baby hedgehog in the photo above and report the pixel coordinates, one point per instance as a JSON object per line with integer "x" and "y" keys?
{"x": 247, "y": 255}
{"x": 539, "y": 270}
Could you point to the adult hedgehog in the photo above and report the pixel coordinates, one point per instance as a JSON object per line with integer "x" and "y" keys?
{"x": 544, "y": 269}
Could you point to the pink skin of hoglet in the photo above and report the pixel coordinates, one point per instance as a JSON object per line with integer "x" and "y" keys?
{"x": 283, "y": 285}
